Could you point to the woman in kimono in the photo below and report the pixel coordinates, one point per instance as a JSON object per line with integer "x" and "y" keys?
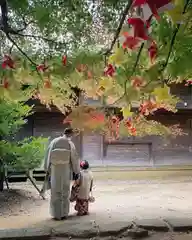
{"x": 61, "y": 161}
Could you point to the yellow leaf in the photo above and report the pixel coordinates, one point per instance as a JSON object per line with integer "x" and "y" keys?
{"x": 127, "y": 112}
{"x": 105, "y": 82}
{"x": 179, "y": 2}
{"x": 176, "y": 13}
{"x": 118, "y": 57}
{"x": 161, "y": 93}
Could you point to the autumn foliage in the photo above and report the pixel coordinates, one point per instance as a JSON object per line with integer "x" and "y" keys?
{"x": 134, "y": 74}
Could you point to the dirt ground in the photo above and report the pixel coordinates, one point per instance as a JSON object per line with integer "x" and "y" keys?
{"x": 115, "y": 200}
{"x": 22, "y": 198}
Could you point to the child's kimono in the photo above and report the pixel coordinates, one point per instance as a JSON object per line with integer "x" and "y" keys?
{"x": 85, "y": 187}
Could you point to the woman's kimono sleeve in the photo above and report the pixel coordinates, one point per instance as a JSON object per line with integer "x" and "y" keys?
{"x": 47, "y": 154}
{"x": 75, "y": 161}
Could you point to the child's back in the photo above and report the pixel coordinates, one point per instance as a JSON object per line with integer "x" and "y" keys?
{"x": 85, "y": 187}
{"x": 85, "y": 184}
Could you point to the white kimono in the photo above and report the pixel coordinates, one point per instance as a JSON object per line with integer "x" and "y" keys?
{"x": 61, "y": 160}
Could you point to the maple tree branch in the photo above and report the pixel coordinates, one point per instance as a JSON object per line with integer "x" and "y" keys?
{"x": 132, "y": 73}
{"x": 11, "y": 48}
{"x": 24, "y": 28}
{"x": 122, "y": 20}
{"x": 4, "y": 26}
{"x": 40, "y": 38}
{"x": 140, "y": 51}
{"x": 171, "y": 46}
{"x": 174, "y": 37}
{"x": 23, "y": 53}
{"x": 134, "y": 67}
{"x": 17, "y": 46}
{"x": 167, "y": 59}
{"x": 4, "y": 14}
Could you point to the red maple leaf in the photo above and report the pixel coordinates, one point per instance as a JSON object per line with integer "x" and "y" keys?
{"x": 64, "y": 60}
{"x": 154, "y": 5}
{"x": 89, "y": 74}
{"x": 110, "y": 70}
{"x": 47, "y": 83}
{"x": 147, "y": 107}
{"x": 4, "y": 65}
{"x": 42, "y": 68}
{"x": 153, "y": 51}
{"x": 114, "y": 124}
{"x": 133, "y": 131}
{"x": 8, "y": 62}
{"x": 128, "y": 124}
{"x": 188, "y": 82}
{"x": 137, "y": 82}
{"x": 81, "y": 68}
{"x": 130, "y": 41}
{"x": 5, "y": 84}
{"x": 138, "y": 3}
{"x": 98, "y": 117}
{"x": 140, "y": 28}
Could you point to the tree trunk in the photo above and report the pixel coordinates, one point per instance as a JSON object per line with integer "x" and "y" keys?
{"x": 2, "y": 172}
{"x": 2, "y": 178}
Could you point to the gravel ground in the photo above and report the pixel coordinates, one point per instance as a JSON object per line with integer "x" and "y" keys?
{"x": 20, "y": 200}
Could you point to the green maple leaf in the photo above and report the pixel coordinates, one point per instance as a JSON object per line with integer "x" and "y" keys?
{"x": 152, "y": 74}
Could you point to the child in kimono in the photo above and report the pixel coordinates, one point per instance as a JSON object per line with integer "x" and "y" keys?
{"x": 85, "y": 183}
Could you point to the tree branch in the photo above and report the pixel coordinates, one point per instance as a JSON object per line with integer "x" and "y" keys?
{"x": 4, "y": 26}
{"x": 174, "y": 38}
{"x": 40, "y": 38}
{"x": 141, "y": 48}
{"x": 133, "y": 71}
{"x": 135, "y": 65}
{"x": 21, "y": 51}
{"x": 24, "y": 28}
{"x": 4, "y": 14}
{"x": 171, "y": 46}
{"x": 124, "y": 14}
{"x": 11, "y": 48}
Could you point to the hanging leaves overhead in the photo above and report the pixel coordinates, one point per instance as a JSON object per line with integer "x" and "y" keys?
{"x": 124, "y": 63}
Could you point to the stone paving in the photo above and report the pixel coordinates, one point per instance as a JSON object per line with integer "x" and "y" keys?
{"x": 153, "y": 236}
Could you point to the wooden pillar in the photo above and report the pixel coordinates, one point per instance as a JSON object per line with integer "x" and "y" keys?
{"x": 151, "y": 158}
{"x": 81, "y": 145}
{"x": 102, "y": 145}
